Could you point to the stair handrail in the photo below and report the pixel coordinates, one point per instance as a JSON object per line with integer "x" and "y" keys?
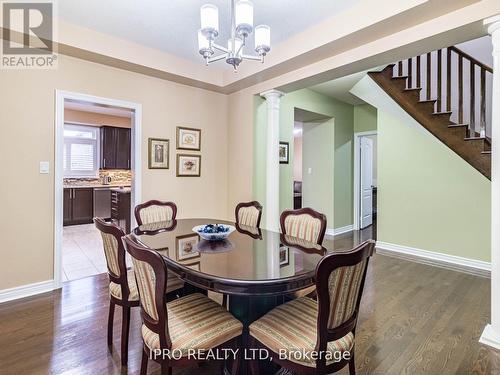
{"x": 473, "y": 59}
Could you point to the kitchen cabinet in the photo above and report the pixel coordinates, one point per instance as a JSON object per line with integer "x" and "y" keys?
{"x": 115, "y": 147}
{"x": 78, "y": 206}
{"x": 120, "y": 208}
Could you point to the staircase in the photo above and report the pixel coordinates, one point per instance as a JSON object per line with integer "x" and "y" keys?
{"x": 448, "y": 92}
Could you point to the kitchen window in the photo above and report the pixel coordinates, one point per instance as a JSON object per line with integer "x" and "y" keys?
{"x": 81, "y": 151}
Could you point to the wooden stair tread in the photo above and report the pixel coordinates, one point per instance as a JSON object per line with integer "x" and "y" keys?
{"x": 486, "y": 152}
{"x": 413, "y": 89}
{"x": 442, "y": 113}
{"x": 474, "y": 139}
{"x": 428, "y": 101}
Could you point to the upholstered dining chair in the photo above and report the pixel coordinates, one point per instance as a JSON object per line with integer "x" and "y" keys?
{"x": 187, "y": 324}
{"x": 122, "y": 287}
{"x": 308, "y": 225}
{"x": 319, "y": 336}
{"x": 304, "y": 223}
{"x": 154, "y": 211}
{"x": 248, "y": 214}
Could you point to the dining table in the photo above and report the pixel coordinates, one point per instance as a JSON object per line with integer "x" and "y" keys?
{"x": 257, "y": 269}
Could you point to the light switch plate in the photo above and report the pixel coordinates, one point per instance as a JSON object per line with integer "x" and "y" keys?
{"x": 44, "y": 167}
{"x": 309, "y": 170}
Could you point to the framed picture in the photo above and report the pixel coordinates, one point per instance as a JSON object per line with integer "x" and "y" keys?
{"x": 284, "y": 256}
{"x": 188, "y": 165}
{"x": 186, "y": 246}
{"x": 158, "y": 153}
{"x": 194, "y": 266}
{"x": 283, "y": 152}
{"x": 188, "y": 139}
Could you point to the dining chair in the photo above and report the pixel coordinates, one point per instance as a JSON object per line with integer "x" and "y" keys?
{"x": 187, "y": 324}
{"x": 154, "y": 211}
{"x": 122, "y": 286}
{"x": 248, "y": 214}
{"x": 319, "y": 336}
{"x": 308, "y": 225}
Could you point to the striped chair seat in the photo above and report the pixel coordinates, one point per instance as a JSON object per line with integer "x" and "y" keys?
{"x": 116, "y": 290}
{"x": 195, "y": 322}
{"x": 293, "y": 327}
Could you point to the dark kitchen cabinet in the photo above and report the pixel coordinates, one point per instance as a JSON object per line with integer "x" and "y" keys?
{"x": 78, "y": 206}
{"x": 115, "y": 148}
{"x": 120, "y": 208}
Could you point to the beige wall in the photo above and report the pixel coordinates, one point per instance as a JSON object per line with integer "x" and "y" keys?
{"x": 96, "y": 119}
{"x": 27, "y": 124}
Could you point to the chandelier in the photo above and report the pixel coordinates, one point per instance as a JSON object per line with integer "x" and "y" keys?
{"x": 241, "y": 28}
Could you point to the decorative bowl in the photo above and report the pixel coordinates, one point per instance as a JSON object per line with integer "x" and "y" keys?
{"x": 214, "y": 232}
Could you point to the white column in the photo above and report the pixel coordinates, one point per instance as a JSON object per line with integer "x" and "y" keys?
{"x": 272, "y": 205}
{"x": 491, "y": 334}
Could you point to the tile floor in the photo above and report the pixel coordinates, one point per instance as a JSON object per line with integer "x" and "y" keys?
{"x": 83, "y": 254}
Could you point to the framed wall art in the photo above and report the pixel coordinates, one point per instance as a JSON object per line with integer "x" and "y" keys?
{"x": 283, "y": 152}
{"x": 188, "y": 139}
{"x": 158, "y": 153}
{"x": 188, "y": 165}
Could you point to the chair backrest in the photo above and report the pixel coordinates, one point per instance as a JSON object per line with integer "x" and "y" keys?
{"x": 340, "y": 278}
{"x": 114, "y": 253}
{"x": 155, "y": 211}
{"x": 248, "y": 214}
{"x": 151, "y": 278}
{"x": 304, "y": 223}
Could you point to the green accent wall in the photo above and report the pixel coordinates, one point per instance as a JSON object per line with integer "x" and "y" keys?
{"x": 342, "y": 115}
{"x": 428, "y": 197}
{"x": 365, "y": 118}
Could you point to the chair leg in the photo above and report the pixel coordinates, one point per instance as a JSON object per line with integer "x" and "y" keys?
{"x": 144, "y": 362}
{"x": 125, "y": 329}
{"x": 111, "y": 316}
{"x": 352, "y": 365}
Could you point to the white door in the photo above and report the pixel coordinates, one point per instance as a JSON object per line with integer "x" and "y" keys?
{"x": 366, "y": 181}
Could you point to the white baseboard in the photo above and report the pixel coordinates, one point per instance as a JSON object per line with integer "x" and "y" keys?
{"x": 453, "y": 262}
{"x": 26, "y": 290}
{"x": 490, "y": 337}
{"x": 336, "y": 231}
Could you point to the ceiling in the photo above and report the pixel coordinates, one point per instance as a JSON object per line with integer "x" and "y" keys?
{"x": 171, "y": 25}
{"x": 339, "y": 88}
{"x": 97, "y": 108}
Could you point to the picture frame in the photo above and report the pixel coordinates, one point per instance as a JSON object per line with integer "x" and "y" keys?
{"x": 284, "y": 256}
{"x": 284, "y": 148}
{"x": 188, "y": 165}
{"x": 186, "y": 246}
{"x": 158, "y": 153}
{"x": 188, "y": 139}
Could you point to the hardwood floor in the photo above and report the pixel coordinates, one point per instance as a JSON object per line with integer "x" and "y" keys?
{"x": 415, "y": 319}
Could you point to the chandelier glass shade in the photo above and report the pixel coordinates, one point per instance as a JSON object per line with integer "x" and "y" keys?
{"x": 241, "y": 28}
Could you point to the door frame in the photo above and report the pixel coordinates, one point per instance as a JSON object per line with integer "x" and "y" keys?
{"x": 136, "y": 165}
{"x": 357, "y": 176}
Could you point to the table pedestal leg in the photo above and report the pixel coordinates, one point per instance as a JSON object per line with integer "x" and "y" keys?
{"x": 248, "y": 309}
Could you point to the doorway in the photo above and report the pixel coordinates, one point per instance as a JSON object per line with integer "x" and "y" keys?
{"x": 365, "y": 179}
{"x": 97, "y": 157}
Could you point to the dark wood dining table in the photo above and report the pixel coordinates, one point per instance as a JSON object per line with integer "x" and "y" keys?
{"x": 255, "y": 268}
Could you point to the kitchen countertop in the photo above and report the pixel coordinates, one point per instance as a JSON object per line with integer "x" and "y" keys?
{"x": 89, "y": 186}
{"x": 124, "y": 190}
